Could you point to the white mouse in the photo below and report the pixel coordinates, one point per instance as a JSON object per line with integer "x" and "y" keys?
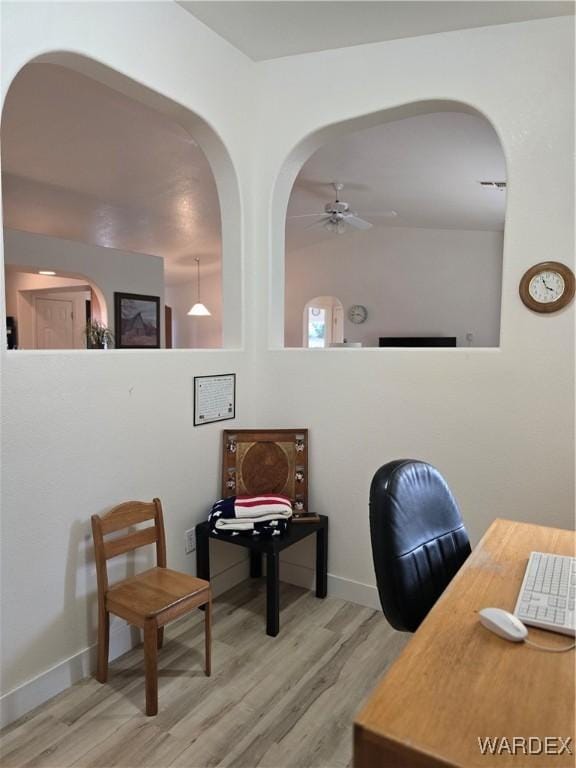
{"x": 504, "y": 624}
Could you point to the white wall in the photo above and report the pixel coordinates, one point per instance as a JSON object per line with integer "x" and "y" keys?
{"x": 414, "y": 282}
{"x": 110, "y": 269}
{"x": 82, "y": 431}
{"x": 197, "y": 332}
{"x": 474, "y": 413}
{"x": 471, "y": 412}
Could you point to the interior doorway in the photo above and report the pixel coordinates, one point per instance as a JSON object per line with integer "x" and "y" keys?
{"x": 323, "y": 322}
{"x": 53, "y": 319}
{"x": 54, "y": 323}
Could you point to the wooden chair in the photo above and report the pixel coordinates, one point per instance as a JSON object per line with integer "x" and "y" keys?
{"x": 149, "y": 600}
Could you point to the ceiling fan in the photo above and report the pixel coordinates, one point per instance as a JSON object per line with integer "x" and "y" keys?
{"x": 337, "y": 215}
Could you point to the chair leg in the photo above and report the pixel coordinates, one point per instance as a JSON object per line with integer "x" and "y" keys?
{"x": 103, "y": 645}
{"x": 160, "y": 637}
{"x": 151, "y": 665}
{"x": 208, "y": 637}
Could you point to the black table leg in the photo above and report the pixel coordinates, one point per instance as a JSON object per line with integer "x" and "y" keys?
{"x": 202, "y": 553}
{"x": 272, "y": 594}
{"x": 255, "y": 564}
{"x": 322, "y": 561}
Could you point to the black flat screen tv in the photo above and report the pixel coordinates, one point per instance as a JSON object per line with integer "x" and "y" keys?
{"x": 417, "y": 341}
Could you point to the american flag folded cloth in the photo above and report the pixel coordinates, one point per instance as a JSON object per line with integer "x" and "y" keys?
{"x": 249, "y": 513}
{"x": 263, "y": 505}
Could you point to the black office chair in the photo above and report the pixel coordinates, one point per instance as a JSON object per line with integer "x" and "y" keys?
{"x": 418, "y": 539}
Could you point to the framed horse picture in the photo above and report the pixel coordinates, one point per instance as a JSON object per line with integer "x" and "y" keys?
{"x": 136, "y": 321}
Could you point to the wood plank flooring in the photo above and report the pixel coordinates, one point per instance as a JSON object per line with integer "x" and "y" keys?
{"x": 284, "y": 702}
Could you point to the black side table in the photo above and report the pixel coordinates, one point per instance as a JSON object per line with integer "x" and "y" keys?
{"x": 271, "y": 548}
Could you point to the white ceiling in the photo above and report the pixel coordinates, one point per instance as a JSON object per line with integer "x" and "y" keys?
{"x": 426, "y": 168}
{"x": 268, "y": 30}
{"x": 83, "y": 162}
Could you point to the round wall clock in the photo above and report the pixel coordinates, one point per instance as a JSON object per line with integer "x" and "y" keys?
{"x": 547, "y": 287}
{"x": 357, "y": 314}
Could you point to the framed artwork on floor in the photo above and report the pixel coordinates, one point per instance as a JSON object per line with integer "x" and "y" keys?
{"x": 136, "y": 321}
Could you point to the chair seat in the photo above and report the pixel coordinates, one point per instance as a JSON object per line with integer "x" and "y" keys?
{"x": 152, "y": 592}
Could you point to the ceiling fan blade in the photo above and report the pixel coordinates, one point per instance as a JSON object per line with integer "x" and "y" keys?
{"x": 318, "y": 223}
{"x": 386, "y": 214}
{"x": 306, "y": 215}
{"x": 355, "y": 221}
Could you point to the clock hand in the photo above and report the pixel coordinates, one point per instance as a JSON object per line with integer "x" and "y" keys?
{"x": 544, "y": 283}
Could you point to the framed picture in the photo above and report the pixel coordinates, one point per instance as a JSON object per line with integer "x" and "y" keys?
{"x": 136, "y": 321}
{"x": 214, "y": 398}
{"x": 256, "y": 461}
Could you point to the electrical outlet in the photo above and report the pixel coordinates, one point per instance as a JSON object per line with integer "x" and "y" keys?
{"x": 190, "y": 540}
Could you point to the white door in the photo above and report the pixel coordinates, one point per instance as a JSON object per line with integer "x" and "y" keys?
{"x": 337, "y": 323}
{"x": 54, "y": 324}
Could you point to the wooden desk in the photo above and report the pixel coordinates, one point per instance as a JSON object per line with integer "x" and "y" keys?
{"x": 455, "y": 681}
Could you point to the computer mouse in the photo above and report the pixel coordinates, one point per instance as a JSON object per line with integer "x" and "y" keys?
{"x": 504, "y": 624}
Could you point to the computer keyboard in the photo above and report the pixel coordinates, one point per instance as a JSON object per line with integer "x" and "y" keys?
{"x": 547, "y": 595}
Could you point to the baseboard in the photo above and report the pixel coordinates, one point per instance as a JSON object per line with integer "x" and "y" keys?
{"x": 44, "y": 686}
{"x": 123, "y": 638}
{"x": 345, "y": 589}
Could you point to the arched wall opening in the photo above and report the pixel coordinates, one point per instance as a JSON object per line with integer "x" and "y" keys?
{"x": 282, "y": 283}
{"x": 29, "y": 286}
{"x": 222, "y": 276}
{"x": 322, "y": 322}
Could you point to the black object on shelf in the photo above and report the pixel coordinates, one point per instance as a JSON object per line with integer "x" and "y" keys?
{"x": 11, "y": 333}
{"x": 417, "y": 341}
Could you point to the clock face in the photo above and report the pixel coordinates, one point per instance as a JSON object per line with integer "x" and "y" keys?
{"x": 357, "y": 313}
{"x": 546, "y": 286}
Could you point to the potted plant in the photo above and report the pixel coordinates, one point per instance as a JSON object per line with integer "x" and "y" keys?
{"x": 98, "y": 336}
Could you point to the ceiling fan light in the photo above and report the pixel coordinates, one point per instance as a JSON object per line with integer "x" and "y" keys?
{"x": 341, "y": 228}
{"x": 199, "y": 310}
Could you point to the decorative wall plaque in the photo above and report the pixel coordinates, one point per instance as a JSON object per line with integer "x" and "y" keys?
{"x": 266, "y": 461}
{"x": 214, "y": 398}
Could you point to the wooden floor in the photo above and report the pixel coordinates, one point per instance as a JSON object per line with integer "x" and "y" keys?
{"x": 284, "y": 701}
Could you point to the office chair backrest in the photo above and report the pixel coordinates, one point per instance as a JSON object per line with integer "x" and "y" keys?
{"x": 120, "y": 517}
{"x": 418, "y": 539}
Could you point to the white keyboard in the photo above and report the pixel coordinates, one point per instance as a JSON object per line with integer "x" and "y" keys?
{"x": 546, "y": 598}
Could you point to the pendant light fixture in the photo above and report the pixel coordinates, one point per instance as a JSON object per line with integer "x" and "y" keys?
{"x": 199, "y": 310}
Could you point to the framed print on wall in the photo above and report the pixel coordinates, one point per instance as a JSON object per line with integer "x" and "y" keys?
{"x": 136, "y": 321}
{"x": 214, "y": 398}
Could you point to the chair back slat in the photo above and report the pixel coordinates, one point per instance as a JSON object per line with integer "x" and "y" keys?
{"x": 121, "y": 517}
{"x": 123, "y": 544}
{"x": 127, "y": 514}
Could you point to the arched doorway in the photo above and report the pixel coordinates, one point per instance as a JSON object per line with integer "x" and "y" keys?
{"x": 119, "y": 168}
{"x": 322, "y": 322}
{"x": 401, "y": 212}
